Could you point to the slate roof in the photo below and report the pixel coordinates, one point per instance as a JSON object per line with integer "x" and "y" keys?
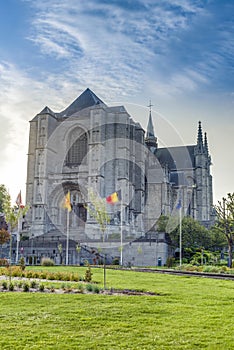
{"x": 47, "y": 110}
{"x": 176, "y": 158}
{"x": 85, "y": 100}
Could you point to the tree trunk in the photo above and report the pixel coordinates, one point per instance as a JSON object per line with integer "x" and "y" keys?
{"x": 230, "y": 249}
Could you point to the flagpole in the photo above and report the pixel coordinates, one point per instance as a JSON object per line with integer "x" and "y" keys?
{"x": 67, "y": 237}
{"x": 180, "y": 235}
{"x": 121, "y": 233}
{"x": 17, "y": 241}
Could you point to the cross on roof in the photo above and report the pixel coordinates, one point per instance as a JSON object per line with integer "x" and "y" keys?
{"x": 150, "y": 105}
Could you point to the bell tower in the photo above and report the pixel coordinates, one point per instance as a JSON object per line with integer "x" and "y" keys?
{"x": 151, "y": 139}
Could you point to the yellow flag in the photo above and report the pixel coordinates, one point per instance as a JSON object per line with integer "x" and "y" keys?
{"x": 67, "y": 201}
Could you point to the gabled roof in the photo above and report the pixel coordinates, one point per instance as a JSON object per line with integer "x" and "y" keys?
{"x": 86, "y": 99}
{"x": 46, "y": 110}
{"x": 176, "y": 158}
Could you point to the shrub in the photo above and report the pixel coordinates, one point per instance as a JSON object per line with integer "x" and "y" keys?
{"x": 33, "y": 284}
{"x": 36, "y": 274}
{"x": 224, "y": 268}
{"x": 170, "y": 262}
{"x": 4, "y": 262}
{"x": 63, "y": 286}
{"x": 50, "y": 276}
{"x": 20, "y": 283}
{"x": 58, "y": 276}
{"x": 47, "y": 262}
{"x": 41, "y": 287}
{"x": 16, "y": 271}
{"x": 22, "y": 263}
{"x": 80, "y": 287}
{"x": 74, "y": 277}
{"x": 66, "y": 276}
{"x": 11, "y": 287}
{"x": 52, "y": 289}
{"x": 4, "y": 284}
{"x": 29, "y": 274}
{"x": 43, "y": 275}
{"x": 26, "y": 287}
{"x": 96, "y": 289}
{"x": 211, "y": 269}
{"x": 88, "y": 275}
{"x": 115, "y": 261}
{"x": 89, "y": 287}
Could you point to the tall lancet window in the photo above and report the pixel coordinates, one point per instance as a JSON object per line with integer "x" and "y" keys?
{"x": 77, "y": 151}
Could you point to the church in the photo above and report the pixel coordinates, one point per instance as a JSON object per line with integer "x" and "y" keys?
{"x": 90, "y": 146}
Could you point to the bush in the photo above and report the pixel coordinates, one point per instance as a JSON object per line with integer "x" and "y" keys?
{"x": 50, "y": 276}
{"x": 224, "y": 268}
{"x": 63, "y": 286}
{"x": 96, "y": 289}
{"x": 11, "y": 287}
{"x": 33, "y": 284}
{"x": 89, "y": 287}
{"x": 80, "y": 287}
{"x": 20, "y": 283}
{"x": 36, "y": 274}
{"x": 47, "y": 262}
{"x": 16, "y": 271}
{"x": 26, "y": 287}
{"x": 43, "y": 275}
{"x": 4, "y": 262}
{"x": 211, "y": 269}
{"x": 170, "y": 262}
{"x": 115, "y": 261}
{"x": 22, "y": 263}
{"x": 88, "y": 275}
{"x": 52, "y": 289}
{"x": 41, "y": 287}
{"x": 29, "y": 274}
{"x": 4, "y": 285}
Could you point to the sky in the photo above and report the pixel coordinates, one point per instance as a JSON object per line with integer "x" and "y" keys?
{"x": 177, "y": 53}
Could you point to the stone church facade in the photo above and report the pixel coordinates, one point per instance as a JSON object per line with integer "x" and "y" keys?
{"x": 90, "y": 145}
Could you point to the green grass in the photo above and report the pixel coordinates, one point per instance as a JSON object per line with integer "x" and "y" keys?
{"x": 187, "y": 313}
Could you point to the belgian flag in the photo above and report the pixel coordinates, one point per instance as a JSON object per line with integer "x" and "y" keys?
{"x": 67, "y": 202}
{"x": 114, "y": 197}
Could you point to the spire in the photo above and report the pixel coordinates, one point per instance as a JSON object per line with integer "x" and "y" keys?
{"x": 199, "y": 138}
{"x": 206, "y": 144}
{"x": 151, "y": 140}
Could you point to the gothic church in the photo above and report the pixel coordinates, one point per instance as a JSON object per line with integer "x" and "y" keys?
{"x": 90, "y": 145}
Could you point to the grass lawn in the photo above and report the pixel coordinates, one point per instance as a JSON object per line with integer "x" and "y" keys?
{"x": 188, "y": 313}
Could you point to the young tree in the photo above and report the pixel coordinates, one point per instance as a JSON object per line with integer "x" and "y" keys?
{"x": 225, "y": 222}
{"x": 193, "y": 233}
{"x": 97, "y": 210}
{"x": 3, "y": 196}
{"x": 4, "y": 237}
{"x": 12, "y": 215}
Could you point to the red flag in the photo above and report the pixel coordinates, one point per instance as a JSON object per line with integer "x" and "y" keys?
{"x": 19, "y": 200}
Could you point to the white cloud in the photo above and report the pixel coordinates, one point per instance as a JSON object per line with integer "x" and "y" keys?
{"x": 21, "y": 98}
{"x": 111, "y": 42}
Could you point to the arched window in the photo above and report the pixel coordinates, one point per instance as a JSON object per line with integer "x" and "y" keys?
{"x": 77, "y": 151}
